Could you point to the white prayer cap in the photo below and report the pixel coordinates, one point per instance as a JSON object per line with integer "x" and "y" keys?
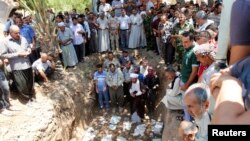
{"x": 133, "y": 75}
{"x": 61, "y": 24}
{"x": 143, "y": 13}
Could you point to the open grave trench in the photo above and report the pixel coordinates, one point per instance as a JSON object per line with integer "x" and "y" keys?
{"x": 66, "y": 109}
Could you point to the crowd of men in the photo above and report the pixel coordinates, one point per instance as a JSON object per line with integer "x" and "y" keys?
{"x": 125, "y": 81}
{"x": 184, "y": 35}
{"x": 21, "y": 62}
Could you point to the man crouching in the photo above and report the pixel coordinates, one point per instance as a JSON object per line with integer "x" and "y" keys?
{"x": 43, "y": 68}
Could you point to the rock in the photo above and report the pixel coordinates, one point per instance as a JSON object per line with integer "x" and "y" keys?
{"x": 107, "y": 138}
{"x": 139, "y": 130}
{"x": 119, "y": 138}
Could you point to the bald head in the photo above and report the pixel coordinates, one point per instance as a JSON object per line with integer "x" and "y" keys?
{"x": 44, "y": 57}
{"x": 14, "y": 28}
{"x": 164, "y": 18}
{"x": 15, "y": 32}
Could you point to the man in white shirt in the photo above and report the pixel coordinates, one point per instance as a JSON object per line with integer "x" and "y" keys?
{"x": 78, "y": 40}
{"x": 85, "y": 24}
{"x": 105, "y": 8}
{"x": 203, "y": 21}
{"x": 124, "y": 27}
{"x": 43, "y": 68}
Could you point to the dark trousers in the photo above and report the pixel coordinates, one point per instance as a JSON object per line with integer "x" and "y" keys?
{"x": 124, "y": 36}
{"x": 87, "y": 48}
{"x": 137, "y": 104}
{"x": 61, "y": 58}
{"x": 23, "y": 80}
{"x": 150, "y": 102}
{"x": 49, "y": 71}
{"x": 35, "y": 54}
{"x": 80, "y": 51}
{"x": 126, "y": 87}
{"x": 93, "y": 44}
{"x": 4, "y": 91}
{"x": 169, "y": 53}
{"x": 116, "y": 96}
{"x": 154, "y": 44}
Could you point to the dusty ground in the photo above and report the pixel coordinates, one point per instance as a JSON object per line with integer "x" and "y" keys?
{"x": 101, "y": 123}
{"x": 66, "y": 108}
{"x": 101, "y": 119}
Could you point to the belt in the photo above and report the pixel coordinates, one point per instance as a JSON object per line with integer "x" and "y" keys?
{"x": 123, "y": 29}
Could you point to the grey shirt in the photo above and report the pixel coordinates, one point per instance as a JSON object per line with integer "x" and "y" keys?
{"x": 10, "y": 50}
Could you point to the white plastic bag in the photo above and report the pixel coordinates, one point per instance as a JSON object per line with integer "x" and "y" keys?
{"x": 90, "y": 134}
{"x": 107, "y": 138}
{"x": 126, "y": 125}
{"x": 139, "y": 130}
{"x": 115, "y": 119}
{"x": 119, "y": 138}
{"x": 157, "y": 128}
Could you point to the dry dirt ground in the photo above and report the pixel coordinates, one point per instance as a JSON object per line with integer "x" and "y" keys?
{"x": 66, "y": 108}
{"x": 102, "y": 118}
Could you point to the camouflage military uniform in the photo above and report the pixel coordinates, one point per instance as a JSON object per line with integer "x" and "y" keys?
{"x": 178, "y": 30}
{"x": 148, "y": 31}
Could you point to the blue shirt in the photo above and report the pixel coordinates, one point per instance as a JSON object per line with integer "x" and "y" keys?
{"x": 118, "y": 7}
{"x": 101, "y": 80}
{"x": 27, "y": 32}
{"x": 141, "y": 77}
{"x": 241, "y": 70}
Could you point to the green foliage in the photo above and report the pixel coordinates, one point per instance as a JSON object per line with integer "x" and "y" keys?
{"x": 68, "y": 5}
{"x": 44, "y": 27}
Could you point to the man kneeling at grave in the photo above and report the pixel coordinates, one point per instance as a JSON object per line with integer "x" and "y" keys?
{"x": 43, "y": 68}
{"x": 196, "y": 100}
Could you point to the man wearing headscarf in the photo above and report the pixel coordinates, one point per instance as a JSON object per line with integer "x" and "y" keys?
{"x": 65, "y": 37}
{"x": 103, "y": 33}
{"x": 152, "y": 83}
{"x": 137, "y": 91}
{"x": 206, "y": 56}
